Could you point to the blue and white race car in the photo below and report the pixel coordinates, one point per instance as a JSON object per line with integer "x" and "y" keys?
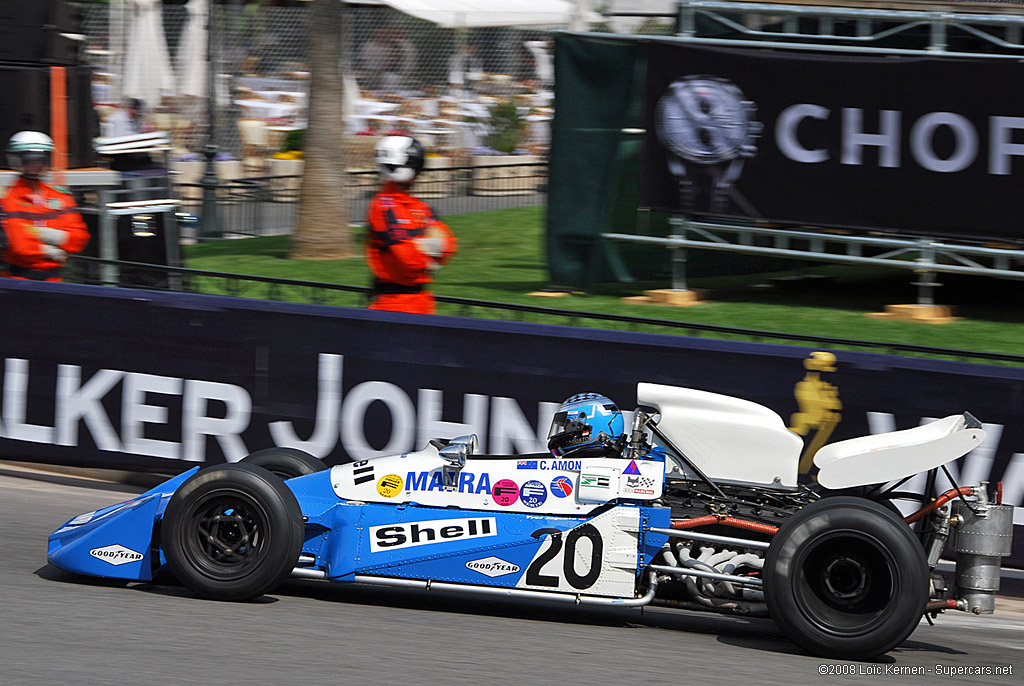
{"x": 697, "y": 506}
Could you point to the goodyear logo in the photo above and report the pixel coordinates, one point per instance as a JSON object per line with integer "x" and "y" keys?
{"x": 116, "y": 554}
{"x": 492, "y": 566}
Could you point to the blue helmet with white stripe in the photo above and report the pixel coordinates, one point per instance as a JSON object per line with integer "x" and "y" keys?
{"x": 585, "y": 423}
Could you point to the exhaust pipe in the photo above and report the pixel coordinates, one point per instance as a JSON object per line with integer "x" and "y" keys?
{"x": 982, "y": 536}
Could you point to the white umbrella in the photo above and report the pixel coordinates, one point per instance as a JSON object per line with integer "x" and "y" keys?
{"x": 147, "y": 66}
{"x": 468, "y": 14}
{"x": 191, "y": 58}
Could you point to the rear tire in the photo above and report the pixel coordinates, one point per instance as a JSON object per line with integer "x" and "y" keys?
{"x": 285, "y": 463}
{"x": 846, "y": 578}
{"x": 232, "y": 532}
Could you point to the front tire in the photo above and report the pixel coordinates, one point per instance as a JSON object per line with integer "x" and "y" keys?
{"x": 232, "y": 532}
{"x": 846, "y": 578}
{"x": 285, "y": 463}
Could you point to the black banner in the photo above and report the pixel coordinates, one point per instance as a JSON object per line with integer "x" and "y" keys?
{"x": 105, "y": 377}
{"x": 918, "y": 144}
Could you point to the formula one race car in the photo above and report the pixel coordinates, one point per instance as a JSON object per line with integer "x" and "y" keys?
{"x": 697, "y": 507}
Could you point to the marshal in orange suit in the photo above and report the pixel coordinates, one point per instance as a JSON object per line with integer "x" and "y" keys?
{"x": 41, "y": 225}
{"x": 406, "y": 243}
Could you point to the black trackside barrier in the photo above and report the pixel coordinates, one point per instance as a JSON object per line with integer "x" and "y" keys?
{"x": 160, "y": 381}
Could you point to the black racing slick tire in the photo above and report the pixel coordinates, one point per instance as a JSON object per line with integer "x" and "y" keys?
{"x": 845, "y": 578}
{"x": 286, "y": 463}
{"x": 232, "y": 532}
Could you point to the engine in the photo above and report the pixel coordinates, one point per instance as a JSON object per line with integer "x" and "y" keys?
{"x": 709, "y": 593}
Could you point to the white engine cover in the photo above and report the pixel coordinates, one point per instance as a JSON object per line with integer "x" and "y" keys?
{"x": 896, "y": 454}
{"x": 727, "y": 438}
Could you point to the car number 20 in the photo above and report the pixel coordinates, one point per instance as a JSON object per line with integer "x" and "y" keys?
{"x": 567, "y": 550}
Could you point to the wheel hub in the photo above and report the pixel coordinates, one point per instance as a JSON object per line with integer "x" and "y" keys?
{"x": 846, "y": 578}
{"x": 229, "y": 533}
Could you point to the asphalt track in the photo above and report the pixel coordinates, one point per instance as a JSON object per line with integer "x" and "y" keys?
{"x": 56, "y": 628}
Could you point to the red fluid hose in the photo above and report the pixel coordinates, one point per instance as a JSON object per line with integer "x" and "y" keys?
{"x": 726, "y": 521}
{"x": 936, "y": 605}
{"x": 939, "y": 502}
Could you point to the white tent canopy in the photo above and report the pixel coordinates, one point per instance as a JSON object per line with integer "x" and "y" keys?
{"x": 191, "y": 58}
{"x": 148, "y": 73}
{"x": 470, "y": 14}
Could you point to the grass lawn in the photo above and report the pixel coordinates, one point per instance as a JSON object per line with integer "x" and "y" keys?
{"x": 502, "y": 258}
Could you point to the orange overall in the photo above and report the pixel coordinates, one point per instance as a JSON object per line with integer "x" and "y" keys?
{"x": 28, "y": 208}
{"x": 401, "y": 268}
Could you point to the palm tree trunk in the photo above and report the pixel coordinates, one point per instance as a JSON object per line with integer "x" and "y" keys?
{"x": 322, "y": 231}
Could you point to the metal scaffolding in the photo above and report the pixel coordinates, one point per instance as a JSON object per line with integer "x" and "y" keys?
{"x": 990, "y": 29}
{"x": 862, "y": 26}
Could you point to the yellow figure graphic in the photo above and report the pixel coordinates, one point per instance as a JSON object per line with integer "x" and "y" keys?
{"x": 819, "y": 405}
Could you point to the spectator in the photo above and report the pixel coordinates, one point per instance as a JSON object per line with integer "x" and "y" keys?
{"x": 372, "y": 60}
{"x": 407, "y": 243}
{"x": 399, "y": 62}
{"x": 127, "y": 120}
{"x": 465, "y": 70}
{"x": 544, "y": 65}
{"x": 40, "y": 223}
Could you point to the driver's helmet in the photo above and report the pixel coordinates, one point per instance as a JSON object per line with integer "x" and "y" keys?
{"x": 585, "y": 423}
{"x": 29, "y": 146}
{"x": 399, "y": 158}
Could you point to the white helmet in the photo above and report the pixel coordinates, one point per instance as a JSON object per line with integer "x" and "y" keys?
{"x": 26, "y": 146}
{"x": 399, "y": 158}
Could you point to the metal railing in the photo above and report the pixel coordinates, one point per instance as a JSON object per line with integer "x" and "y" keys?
{"x": 137, "y": 275}
{"x": 936, "y": 29}
{"x": 268, "y": 205}
{"x": 925, "y": 256}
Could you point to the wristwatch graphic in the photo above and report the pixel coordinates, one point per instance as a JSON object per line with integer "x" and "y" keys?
{"x": 708, "y": 130}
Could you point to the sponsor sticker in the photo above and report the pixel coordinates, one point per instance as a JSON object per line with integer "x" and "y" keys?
{"x": 595, "y": 481}
{"x": 116, "y": 554}
{"x": 505, "y": 492}
{"x": 492, "y": 567}
{"x": 408, "y": 534}
{"x": 434, "y": 481}
{"x": 82, "y": 519}
{"x": 640, "y": 485}
{"x": 632, "y": 468}
{"x": 533, "y": 494}
{"x": 561, "y": 487}
{"x": 390, "y": 485}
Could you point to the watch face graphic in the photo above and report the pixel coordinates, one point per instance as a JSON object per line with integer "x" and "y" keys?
{"x": 705, "y": 123}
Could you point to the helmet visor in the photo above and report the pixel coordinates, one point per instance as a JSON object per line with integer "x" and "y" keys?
{"x": 31, "y": 163}
{"x": 569, "y": 423}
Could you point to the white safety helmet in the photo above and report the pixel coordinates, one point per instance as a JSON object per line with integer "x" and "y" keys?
{"x": 399, "y": 158}
{"x": 26, "y": 146}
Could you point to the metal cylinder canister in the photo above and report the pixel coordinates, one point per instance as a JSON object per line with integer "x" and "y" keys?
{"x": 982, "y": 536}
